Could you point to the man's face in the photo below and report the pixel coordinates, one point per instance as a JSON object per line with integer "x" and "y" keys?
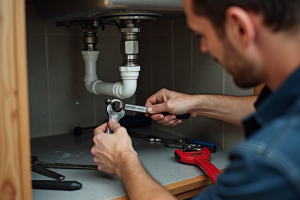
{"x": 242, "y": 70}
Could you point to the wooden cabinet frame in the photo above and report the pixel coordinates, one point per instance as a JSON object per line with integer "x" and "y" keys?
{"x": 15, "y": 176}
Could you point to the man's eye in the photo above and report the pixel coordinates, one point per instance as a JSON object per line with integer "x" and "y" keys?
{"x": 198, "y": 36}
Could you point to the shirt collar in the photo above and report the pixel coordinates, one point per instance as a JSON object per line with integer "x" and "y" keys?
{"x": 278, "y": 102}
{"x": 271, "y": 105}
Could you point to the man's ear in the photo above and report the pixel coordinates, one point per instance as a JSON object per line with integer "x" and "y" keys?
{"x": 239, "y": 27}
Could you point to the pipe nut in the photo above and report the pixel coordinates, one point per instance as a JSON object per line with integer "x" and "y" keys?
{"x": 129, "y": 30}
{"x": 89, "y": 40}
{"x": 129, "y": 47}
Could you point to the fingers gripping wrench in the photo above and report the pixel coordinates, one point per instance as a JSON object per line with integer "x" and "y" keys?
{"x": 113, "y": 114}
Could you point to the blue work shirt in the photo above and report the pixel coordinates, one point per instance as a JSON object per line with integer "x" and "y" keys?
{"x": 267, "y": 164}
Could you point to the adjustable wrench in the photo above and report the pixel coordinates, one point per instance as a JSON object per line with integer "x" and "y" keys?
{"x": 113, "y": 114}
{"x": 119, "y": 105}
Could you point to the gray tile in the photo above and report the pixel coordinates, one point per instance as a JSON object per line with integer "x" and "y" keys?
{"x": 162, "y": 63}
{"x": 232, "y": 89}
{"x": 162, "y": 28}
{"x": 169, "y": 129}
{"x": 51, "y": 29}
{"x": 180, "y": 27}
{"x": 144, "y": 90}
{"x": 70, "y": 104}
{"x": 162, "y": 69}
{"x": 208, "y": 130}
{"x": 34, "y": 24}
{"x": 38, "y": 90}
{"x": 182, "y": 63}
{"x": 185, "y": 128}
{"x": 109, "y": 59}
{"x": 232, "y": 135}
{"x": 110, "y": 30}
{"x": 182, "y": 75}
{"x": 207, "y": 74}
{"x": 145, "y": 28}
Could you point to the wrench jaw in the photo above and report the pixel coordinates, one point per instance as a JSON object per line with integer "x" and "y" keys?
{"x": 113, "y": 114}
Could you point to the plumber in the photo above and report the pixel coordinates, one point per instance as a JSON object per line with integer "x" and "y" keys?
{"x": 256, "y": 41}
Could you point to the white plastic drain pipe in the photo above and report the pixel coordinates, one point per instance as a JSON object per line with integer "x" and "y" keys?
{"x": 121, "y": 90}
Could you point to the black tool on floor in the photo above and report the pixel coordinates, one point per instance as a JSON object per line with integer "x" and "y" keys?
{"x": 128, "y": 121}
{"x": 40, "y": 167}
{"x": 187, "y": 144}
{"x": 56, "y": 185}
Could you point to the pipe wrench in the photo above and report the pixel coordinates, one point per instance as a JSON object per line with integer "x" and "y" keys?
{"x": 200, "y": 158}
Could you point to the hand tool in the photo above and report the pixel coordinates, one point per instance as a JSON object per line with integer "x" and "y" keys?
{"x": 200, "y": 158}
{"x": 168, "y": 142}
{"x": 119, "y": 105}
{"x": 129, "y": 121}
{"x": 113, "y": 114}
{"x": 182, "y": 143}
{"x": 212, "y": 147}
{"x": 56, "y": 185}
{"x": 40, "y": 167}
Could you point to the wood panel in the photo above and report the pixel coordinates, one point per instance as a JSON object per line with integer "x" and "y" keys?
{"x": 258, "y": 88}
{"x": 15, "y": 180}
{"x": 186, "y": 188}
{"x": 191, "y": 193}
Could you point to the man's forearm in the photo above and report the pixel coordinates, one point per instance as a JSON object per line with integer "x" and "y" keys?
{"x": 230, "y": 109}
{"x": 138, "y": 183}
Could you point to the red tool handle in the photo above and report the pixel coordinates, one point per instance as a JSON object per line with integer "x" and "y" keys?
{"x": 200, "y": 158}
{"x": 208, "y": 168}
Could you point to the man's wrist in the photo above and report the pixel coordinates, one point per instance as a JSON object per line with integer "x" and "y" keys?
{"x": 125, "y": 161}
{"x": 198, "y": 102}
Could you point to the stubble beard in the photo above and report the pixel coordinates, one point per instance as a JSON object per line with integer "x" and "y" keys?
{"x": 242, "y": 70}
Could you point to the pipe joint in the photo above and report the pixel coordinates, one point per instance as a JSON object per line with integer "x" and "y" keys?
{"x": 121, "y": 90}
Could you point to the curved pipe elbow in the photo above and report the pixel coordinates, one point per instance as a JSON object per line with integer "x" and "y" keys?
{"x": 121, "y": 90}
{"x": 126, "y": 89}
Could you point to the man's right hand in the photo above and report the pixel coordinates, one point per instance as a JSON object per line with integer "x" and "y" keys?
{"x": 171, "y": 102}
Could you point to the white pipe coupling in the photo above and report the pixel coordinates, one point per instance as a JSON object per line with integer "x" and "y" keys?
{"x": 121, "y": 90}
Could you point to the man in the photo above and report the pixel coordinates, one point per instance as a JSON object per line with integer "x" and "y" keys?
{"x": 257, "y": 41}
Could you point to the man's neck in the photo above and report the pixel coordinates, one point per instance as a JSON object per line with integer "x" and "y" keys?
{"x": 281, "y": 55}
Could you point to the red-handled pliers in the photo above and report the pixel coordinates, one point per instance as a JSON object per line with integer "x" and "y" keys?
{"x": 200, "y": 158}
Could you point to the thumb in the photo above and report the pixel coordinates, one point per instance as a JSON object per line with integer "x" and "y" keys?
{"x": 157, "y": 108}
{"x": 113, "y": 125}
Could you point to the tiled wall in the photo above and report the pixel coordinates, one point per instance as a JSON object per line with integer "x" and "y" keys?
{"x": 57, "y": 96}
{"x": 170, "y": 58}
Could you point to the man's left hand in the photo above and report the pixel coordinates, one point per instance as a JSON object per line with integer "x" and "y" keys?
{"x": 110, "y": 149}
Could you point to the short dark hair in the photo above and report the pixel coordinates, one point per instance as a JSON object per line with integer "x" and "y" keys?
{"x": 278, "y": 14}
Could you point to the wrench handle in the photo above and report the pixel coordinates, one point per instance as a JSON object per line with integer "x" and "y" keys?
{"x": 143, "y": 109}
{"x": 108, "y": 129}
{"x": 184, "y": 116}
{"x": 208, "y": 168}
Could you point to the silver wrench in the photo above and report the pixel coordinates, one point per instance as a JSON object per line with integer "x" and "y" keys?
{"x": 113, "y": 114}
{"x": 119, "y": 105}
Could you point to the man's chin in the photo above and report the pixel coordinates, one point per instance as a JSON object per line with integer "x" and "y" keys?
{"x": 244, "y": 84}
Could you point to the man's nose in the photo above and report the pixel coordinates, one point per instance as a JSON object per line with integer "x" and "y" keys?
{"x": 203, "y": 46}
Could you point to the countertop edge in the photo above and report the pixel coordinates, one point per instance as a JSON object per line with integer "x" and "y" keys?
{"x": 184, "y": 185}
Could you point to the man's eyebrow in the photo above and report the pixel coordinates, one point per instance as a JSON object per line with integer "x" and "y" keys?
{"x": 194, "y": 33}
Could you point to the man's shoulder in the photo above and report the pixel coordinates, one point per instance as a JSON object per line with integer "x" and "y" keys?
{"x": 281, "y": 134}
{"x": 281, "y": 130}
{"x": 275, "y": 146}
